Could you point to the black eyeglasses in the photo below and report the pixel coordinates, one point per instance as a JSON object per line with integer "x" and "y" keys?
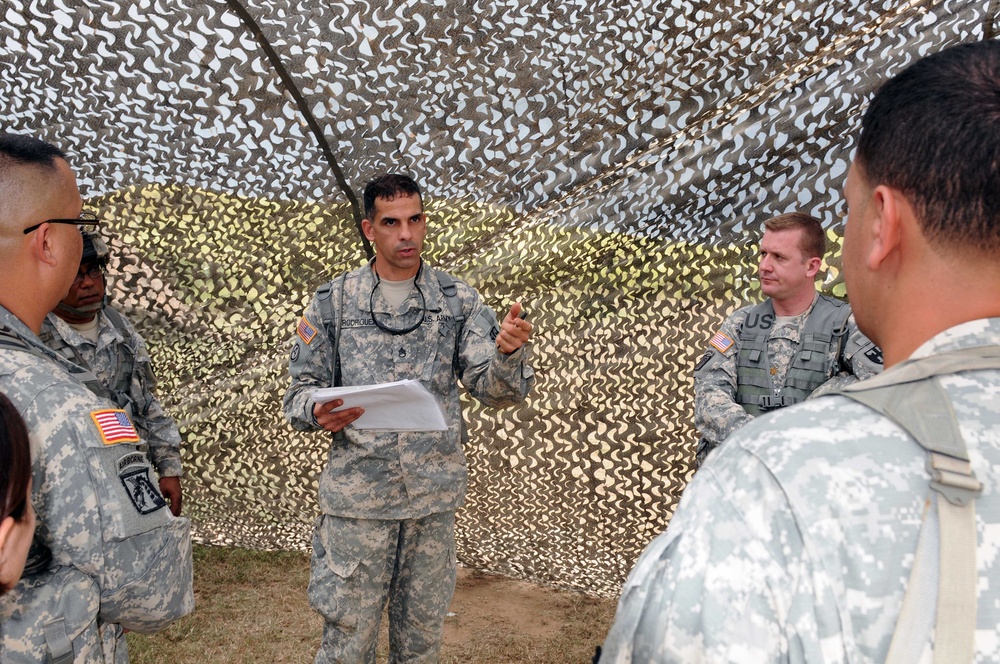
{"x": 95, "y": 273}
{"x": 85, "y": 221}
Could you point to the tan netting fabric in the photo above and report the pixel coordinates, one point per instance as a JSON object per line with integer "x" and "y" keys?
{"x": 609, "y": 165}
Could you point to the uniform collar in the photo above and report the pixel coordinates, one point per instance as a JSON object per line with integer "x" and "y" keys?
{"x": 970, "y": 334}
{"x": 427, "y": 281}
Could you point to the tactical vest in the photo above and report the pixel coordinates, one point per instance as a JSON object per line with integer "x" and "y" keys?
{"x": 825, "y": 329}
{"x": 119, "y": 387}
{"x": 332, "y": 322}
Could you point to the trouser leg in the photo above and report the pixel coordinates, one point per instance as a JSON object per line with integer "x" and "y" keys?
{"x": 352, "y": 566}
{"x": 423, "y": 584}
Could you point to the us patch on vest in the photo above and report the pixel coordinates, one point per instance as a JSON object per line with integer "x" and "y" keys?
{"x": 721, "y": 342}
{"x": 114, "y": 426}
{"x": 306, "y": 330}
{"x": 133, "y": 471}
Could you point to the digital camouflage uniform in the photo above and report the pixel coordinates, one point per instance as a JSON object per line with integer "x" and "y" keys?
{"x": 114, "y": 347}
{"x": 389, "y": 498}
{"x": 795, "y": 541}
{"x": 118, "y": 557}
{"x": 717, "y": 413}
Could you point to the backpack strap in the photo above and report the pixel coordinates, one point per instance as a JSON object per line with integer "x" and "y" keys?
{"x": 120, "y": 383}
{"x": 912, "y": 396}
{"x": 332, "y": 320}
{"x": 450, "y": 291}
{"x": 9, "y": 339}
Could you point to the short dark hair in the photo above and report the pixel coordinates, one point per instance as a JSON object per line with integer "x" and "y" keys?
{"x": 20, "y": 149}
{"x": 389, "y": 186}
{"x": 933, "y": 133}
{"x": 813, "y": 241}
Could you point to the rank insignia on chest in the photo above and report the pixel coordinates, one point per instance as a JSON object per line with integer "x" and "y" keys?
{"x": 721, "y": 342}
{"x": 306, "y": 330}
{"x": 774, "y": 371}
{"x": 114, "y": 426}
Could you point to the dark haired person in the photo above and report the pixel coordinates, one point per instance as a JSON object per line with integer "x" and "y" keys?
{"x": 17, "y": 517}
{"x": 108, "y": 555}
{"x": 87, "y": 330}
{"x": 776, "y": 353}
{"x": 386, "y": 534}
{"x": 797, "y": 540}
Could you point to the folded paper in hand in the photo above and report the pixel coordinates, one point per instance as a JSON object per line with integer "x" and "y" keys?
{"x": 405, "y": 405}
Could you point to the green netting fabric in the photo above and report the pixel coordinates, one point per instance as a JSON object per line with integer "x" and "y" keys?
{"x": 608, "y": 164}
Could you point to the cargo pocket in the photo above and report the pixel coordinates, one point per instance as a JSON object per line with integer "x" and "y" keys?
{"x": 339, "y": 581}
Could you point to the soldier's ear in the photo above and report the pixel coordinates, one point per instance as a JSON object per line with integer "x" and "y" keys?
{"x": 885, "y": 229}
{"x": 6, "y": 526}
{"x": 368, "y": 229}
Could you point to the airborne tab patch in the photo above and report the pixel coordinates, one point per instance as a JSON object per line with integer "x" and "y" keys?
{"x": 114, "y": 426}
{"x": 721, "y": 342}
{"x": 133, "y": 471}
{"x": 306, "y": 330}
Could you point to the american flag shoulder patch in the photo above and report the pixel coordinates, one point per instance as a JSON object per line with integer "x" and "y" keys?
{"x": 306, "y": 330}
{"x": 721, "y": 342}
{"x": 114, "y": 426}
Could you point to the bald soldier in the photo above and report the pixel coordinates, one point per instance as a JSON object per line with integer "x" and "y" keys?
{"x": 803, "y": 538}
{"x": 107, "y": 554}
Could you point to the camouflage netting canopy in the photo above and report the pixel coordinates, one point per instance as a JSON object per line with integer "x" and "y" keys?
{"x": 608, "y": 164}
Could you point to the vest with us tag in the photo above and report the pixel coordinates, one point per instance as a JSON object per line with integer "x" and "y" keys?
{"x": 825, "y": 329}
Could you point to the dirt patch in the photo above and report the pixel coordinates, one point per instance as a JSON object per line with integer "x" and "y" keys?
{"x": 252, "y": 607}
{"x": 482, "y": 600}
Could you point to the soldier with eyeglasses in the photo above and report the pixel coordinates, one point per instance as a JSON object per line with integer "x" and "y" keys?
{"x": 87, "y": 330}
{"x": 107, "y": 552}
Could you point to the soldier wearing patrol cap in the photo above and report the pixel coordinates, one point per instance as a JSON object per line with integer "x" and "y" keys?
{"x": 85, "y": 329}
{"x": 779, "y": 352}
{"x": 386, "y": 535}
{"x": 108, "y": 555}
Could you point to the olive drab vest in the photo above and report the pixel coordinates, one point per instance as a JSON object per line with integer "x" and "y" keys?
{"x": 119, "y": 387}
{"x": 825, "y": 328}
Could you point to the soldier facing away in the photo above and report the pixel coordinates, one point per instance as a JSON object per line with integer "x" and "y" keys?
{"x": 779, "y": 352}
{"x": 803, "y": 538}
{"x": 100, "y": 560}
{"x": 386, "y": 533}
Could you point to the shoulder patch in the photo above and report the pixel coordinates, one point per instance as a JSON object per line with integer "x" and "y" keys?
{"x": 133, "y": 471}
{"x": 704, "y": 360}
{"x": 874, "y": 354}
{"x": 114, "y": 426}
{"x": 306, "y": 330}
{"x": 721, "y": 342}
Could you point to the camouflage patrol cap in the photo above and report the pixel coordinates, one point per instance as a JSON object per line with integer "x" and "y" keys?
{"x": 95, "y": 249}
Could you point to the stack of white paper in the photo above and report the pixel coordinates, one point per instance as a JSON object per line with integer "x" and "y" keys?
{"x": 405, "y": 405}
